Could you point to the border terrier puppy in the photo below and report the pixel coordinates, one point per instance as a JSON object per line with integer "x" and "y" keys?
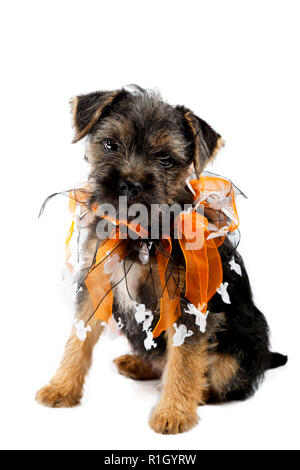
{"x": 141, "y": 147}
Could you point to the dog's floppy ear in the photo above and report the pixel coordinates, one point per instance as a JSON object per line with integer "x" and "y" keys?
{"x": 88, "y": 109}
{"x": 207, "y": 142}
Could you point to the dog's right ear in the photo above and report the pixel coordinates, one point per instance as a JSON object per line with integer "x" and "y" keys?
{"x": 88, "y": 109}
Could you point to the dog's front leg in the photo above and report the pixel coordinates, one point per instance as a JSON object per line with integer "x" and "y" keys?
{"x": 65, "y": 389}
{"x": 184, "y": 387}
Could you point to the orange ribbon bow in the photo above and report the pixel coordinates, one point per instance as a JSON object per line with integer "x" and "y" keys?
{"x": 200, "y": 231}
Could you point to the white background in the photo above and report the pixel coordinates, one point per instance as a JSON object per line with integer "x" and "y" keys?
{"x": 236, "y": 64}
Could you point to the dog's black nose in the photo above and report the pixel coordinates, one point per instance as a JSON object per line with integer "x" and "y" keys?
{"x": 130, "y": 188}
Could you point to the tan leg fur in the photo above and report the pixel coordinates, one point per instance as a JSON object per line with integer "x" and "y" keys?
{"x": 184, "y": 386}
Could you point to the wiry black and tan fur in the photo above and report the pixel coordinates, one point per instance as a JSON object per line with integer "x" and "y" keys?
{"x": 140, "y": 146}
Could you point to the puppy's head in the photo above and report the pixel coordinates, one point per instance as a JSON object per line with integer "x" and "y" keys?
{"x": 139, "y": 146}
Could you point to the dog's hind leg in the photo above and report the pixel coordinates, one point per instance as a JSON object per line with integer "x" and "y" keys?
{"x": 223, "y": 375}
{"x": 65, "y": 389}
{"x": 134, "y": 367}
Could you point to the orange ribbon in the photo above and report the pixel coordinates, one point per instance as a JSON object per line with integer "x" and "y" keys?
{"x": 199, "y": 235}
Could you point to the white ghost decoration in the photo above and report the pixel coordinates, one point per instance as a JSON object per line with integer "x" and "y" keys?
{"x": 146, "y": 317}
{"x": 140, "y": 312}
{"x": 234, "y": 266}
{"x": 144, "y": 253}
{"x": 180, "y": 334}
{"x": 222, "y": 290}
{"x": 147, "y": 322}
{"x": 143, "y": 315}
{"x": 201, "y": 317}
{"x": 149, "y": 343}
{"x": 81, "y": 330}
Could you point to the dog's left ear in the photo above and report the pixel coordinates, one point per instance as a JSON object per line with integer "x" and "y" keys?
{"x": 207, "y": 141}
{"x": 88, "y": 109}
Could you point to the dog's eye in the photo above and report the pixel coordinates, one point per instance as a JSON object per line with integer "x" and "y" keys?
{"x": 110, "y": 145}
{"x": 167, "y": 161}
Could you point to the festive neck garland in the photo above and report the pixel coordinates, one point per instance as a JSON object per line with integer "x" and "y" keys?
{"x": 213, "y": 217}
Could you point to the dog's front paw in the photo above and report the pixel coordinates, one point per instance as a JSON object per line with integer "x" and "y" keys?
{"x": 172, "y": 421}
{"x": 56, "y": 395}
